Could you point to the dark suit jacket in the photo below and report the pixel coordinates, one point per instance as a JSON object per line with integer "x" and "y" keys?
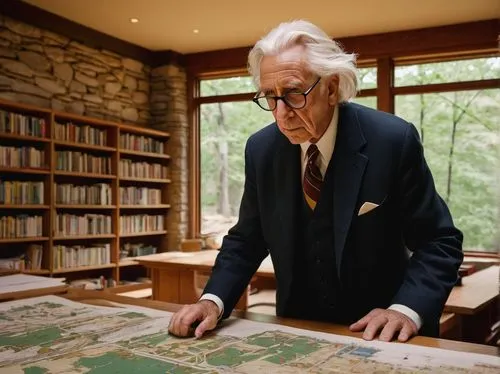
{"x": 377, "y": 158}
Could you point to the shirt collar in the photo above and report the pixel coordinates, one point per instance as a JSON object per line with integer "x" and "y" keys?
{"x": 326, "y": 143}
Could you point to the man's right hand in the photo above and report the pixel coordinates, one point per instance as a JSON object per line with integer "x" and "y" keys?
{"x": 205, "y": 312}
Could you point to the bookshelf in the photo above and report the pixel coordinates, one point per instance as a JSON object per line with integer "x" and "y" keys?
{"x": 79, "y": 194}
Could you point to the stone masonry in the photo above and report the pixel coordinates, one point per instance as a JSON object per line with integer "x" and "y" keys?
{"x": 168, "y": 102}
{"x": 49, "y": 70}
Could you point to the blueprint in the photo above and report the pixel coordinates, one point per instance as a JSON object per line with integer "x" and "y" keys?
{"x": 50, "y": 334}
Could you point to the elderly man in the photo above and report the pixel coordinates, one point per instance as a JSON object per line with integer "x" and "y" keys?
{"x": 342, "y": 199}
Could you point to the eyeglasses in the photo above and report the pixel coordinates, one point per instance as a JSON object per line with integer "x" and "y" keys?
{"x": 295, "y": 100}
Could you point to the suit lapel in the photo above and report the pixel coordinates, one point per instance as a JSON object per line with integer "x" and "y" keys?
{"x": 349, "y": 166}
{"x": 348, "y": 169}
{"x": 287, "y": 185}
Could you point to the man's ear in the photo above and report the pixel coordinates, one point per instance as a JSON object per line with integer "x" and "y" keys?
{"x": 333, "y": 90}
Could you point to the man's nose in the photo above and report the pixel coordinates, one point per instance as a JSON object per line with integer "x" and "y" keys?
{"x": 282, "y": 110}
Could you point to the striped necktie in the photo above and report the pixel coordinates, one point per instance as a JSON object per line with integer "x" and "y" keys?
{"x": 312, "y": 177}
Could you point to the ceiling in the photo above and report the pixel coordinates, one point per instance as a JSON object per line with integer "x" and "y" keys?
{"x": 221, "y": 24}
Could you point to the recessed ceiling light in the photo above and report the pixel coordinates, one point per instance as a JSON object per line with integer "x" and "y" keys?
{"x": 134, "y": 20}
{"x": 196, "y": 31}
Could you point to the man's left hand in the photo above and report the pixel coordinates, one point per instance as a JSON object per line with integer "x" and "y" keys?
{"x": 389, "y": 321}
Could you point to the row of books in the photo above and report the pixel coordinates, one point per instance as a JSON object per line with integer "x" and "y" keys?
{"x": 139, "y": 196}
{"x": 75, "y": 256}
{"x": 87, "y": 224}
{"x": 12, "y": 263}
{"x": 82, "y": 162}
{"x": 80, "y": 134}
{"x": 141, "y": 143}
{"x": 128, "y": 168}
{"x": 15, "y": 123}
{"x": 96, "y": 194}
{"x": 141, "y": 223}
{"x": 22, "y": 157}
{"x": 33, "y": 257}
{"x": 20, "y": 192}
{"x": 20, "y": 124}
{"x": 137, "y": 249}
{"x": 20, "y": 226}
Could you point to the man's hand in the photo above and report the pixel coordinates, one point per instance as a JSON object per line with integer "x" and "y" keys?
{"x": 205, "y": 312}
{"x": 391, "y": 322}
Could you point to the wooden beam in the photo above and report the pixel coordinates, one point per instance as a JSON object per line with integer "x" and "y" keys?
{"x": 453, "y": 39}
{"x": 234, "y": 58}
{"x": 194, "y": 182}
{"x": 472, "y": 36}
{"x": 447, "y": 87}
{"x": 224, "y": 98}
{"x": 385, "y": 81}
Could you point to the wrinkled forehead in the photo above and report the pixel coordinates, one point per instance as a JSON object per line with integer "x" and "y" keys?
{"x": 287, "y": 68}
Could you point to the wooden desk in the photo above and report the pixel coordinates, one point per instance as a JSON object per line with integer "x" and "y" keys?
{"x": 22, "y": 286}
{"x": 476, "y": 304}
{"x": 476, "y": 293}
{"x": 173, "y": 275}
{"x": 104, "y": 299}
{"x": 56, "y": 290}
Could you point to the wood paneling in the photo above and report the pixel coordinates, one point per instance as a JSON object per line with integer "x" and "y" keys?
{"x": 461, "y": 38}
{"x": 203, "y": 62}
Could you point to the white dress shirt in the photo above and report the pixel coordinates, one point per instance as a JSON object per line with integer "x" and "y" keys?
{"x": 326, "y": 145}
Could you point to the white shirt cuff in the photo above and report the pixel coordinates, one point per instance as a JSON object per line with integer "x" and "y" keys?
{"x": 216, "y": 299}
{"x": 410, "y": 313}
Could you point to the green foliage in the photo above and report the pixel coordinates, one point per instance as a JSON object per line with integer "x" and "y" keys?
{"x": 242, "y": 119}
{"x": 444, "y": 72}
{"x": 226, "y": 86}
{"x": 471, "y": 188}
{"x": 367, "y": 78}
{"x": 459, "y": 130}
{"x": 370, "y": 101}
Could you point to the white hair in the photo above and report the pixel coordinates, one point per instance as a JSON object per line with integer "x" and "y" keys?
{"x": 324, "y": 56}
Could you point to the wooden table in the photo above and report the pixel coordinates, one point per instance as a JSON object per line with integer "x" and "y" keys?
{"x": 469, "y": 309}
{"x": 174, "y": 275}
{"x": 105, "y": 298}
{"x": 475, "y": 304}
{"x": 28, "y": 286}
{"x": 477, "y": 292}
{"x": 56, "y": 290}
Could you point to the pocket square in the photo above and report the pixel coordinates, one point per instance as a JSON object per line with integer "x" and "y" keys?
{"x": 367, "y": 207}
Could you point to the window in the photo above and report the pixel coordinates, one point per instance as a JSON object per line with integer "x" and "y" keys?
{"x": 444, "y": 72}
{"x": 226, "y": 86}
{"x": 369, "y": 101}
{"x": 224, "y": 130}
{"x": 367, "y": 83}
{"x": 460, "y": 134}
{"x": 367, "y": 78}
{"x": 455, "y": 105}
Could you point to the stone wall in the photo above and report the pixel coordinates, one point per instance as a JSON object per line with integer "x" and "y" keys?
{"x": 49, "y": 70}
{"x": 169, "y": 113}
